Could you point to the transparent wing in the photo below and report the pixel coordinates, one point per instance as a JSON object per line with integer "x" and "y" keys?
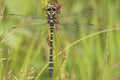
{"x": 83, "y": 13}
{"x": 23, "y": 21}
{"x": 77, "y": 23}
{"x": 25, "y": 16}
{"x": 27, "y": 23}
{"x": 74, "y": 32}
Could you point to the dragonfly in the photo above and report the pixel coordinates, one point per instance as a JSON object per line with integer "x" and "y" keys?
{"x": 68, "y": 23}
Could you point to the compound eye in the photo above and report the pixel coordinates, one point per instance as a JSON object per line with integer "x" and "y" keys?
{"x": 48, "y": 9}
{"x": 53, "y": 9}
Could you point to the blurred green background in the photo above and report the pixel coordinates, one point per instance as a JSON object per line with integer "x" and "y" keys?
{"x": 24, "y": 53}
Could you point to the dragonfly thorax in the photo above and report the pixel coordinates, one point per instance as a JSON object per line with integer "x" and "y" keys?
{"x": 51, "y": 15}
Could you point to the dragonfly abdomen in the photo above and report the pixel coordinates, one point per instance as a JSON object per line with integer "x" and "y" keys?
{"x": 51, "y": 51}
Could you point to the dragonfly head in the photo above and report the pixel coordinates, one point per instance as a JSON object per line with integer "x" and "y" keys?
{"x": 51, "y": 10}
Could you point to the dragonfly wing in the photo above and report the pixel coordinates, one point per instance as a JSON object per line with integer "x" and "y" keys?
{"x": 77, "y": 22}
{"x": 31, "y": 24}
{"x": 80, "y": 18}
{"x": 22, "y": 20}
{"x": 84, "y": 13}
{"x": 25, "y": 16}
{"x": 33, "y": 29}
{"x": 70, "y": 29}
{"x": 74, "y": 32}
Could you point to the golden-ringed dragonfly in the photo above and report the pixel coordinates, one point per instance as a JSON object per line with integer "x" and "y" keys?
{"x": 63, "y": 24}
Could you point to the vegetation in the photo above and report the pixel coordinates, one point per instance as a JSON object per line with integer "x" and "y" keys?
{"x": 89, "y": 54}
